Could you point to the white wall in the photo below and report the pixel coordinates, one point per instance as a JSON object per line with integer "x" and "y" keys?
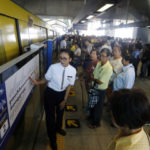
{"x": 143, "y": 33}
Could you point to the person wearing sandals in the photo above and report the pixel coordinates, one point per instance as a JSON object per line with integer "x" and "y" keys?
{"x": 130, "y": 110}
{"x": 100, "y": 77}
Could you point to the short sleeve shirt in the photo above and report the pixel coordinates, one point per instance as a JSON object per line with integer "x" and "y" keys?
{"x": 138, "y": 141}
{"x": 103, "y": 73}
{"x": 78, "y": 50}
{"x": 54, "y": 76}
{"x": 63, "y": 44}
{"x": 126, "y": 79}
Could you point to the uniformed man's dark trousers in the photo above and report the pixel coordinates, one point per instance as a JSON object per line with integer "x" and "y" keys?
{"x": 54, "y": 114}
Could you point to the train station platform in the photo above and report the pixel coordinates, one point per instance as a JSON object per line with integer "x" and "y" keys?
{"x": 81, "y": 137}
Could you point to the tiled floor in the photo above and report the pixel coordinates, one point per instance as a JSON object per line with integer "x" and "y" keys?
{"x": 84, "y": 138}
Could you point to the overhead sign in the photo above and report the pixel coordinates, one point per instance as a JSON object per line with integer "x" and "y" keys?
{"x": 80, "y": 26}
{"x": 71, "y": 108}
{"x": 72, "y": 123}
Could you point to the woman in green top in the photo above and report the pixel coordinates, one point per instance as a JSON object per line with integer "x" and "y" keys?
{"x": 100, "y": 78}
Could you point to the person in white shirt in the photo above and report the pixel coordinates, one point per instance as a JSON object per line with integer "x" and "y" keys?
{"x": 59, "y": 77}
{"x": 63, "y": 43}
{"x": 105, "y": 45}
{"x": 77, "y": 51}
{"x": 89, "y": 47}
{"x": 126, "y": 79}
{"x": 116, "y": 62}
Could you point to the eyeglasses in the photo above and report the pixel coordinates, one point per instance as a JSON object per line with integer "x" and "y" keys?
{"x": 63, "y": 58}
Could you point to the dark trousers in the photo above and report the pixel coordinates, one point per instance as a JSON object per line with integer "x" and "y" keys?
{"x": 54, "y": 114}
{"x": 144, "y": 68}
{"x": 97, "y": 110}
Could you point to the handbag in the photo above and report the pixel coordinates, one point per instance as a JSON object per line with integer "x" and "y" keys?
{"x": 93, "y": 91}
{"x": 93, "y": 97}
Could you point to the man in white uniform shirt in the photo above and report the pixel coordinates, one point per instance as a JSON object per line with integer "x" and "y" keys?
{"x": 59, "y": 77}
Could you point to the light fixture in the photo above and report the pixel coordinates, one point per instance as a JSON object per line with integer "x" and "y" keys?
{"x": 105, "y": 7}
{"x": 45, "y": 19}
{"x": 83, "y": 21}
{"x": 90, "y": 17}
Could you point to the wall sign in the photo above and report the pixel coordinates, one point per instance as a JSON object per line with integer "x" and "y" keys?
{"x": 13, "y": 95}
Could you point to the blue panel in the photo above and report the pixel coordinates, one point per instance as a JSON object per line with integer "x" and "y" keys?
{"x": 50, "y": 51}
{"x": 4, "y": 119}
{"x": 45, "y": 57}
{"x": 11, "y": 130}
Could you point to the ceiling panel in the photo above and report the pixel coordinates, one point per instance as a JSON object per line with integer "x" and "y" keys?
{"x": 79, "y": 9}
{"x": 65, "y": 8}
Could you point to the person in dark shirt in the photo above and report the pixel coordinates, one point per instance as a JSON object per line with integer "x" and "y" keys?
{"x": 90, "y": 68}
{"x": 145, "y": 60}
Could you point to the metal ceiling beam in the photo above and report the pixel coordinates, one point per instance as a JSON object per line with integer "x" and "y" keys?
{"x": 135, "y": 24}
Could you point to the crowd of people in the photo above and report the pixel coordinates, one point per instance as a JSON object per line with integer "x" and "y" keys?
{"x": 139, "y": 51}
{"x": 110, "y": 67}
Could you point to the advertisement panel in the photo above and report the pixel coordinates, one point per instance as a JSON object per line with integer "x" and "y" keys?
{"x": 19, "y": 86}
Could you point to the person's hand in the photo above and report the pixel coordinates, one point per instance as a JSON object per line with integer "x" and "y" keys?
{"x": 35, "y": 82}
{"x": 62, "y": 104}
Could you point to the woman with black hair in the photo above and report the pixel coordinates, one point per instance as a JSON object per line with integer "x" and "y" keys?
{"x": 130, "y": 110}
{"x": 100, "y": 78}
{"x": 125, "y": 80}
{"x": 59, "y": 78}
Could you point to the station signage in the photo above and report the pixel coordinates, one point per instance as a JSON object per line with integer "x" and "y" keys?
{"x": 13, "y": 95}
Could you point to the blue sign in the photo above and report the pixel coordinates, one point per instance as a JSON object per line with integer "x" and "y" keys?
{"x": 4, "y": 121}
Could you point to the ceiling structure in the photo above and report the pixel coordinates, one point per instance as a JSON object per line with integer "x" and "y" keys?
{"x": 77, "y": 10}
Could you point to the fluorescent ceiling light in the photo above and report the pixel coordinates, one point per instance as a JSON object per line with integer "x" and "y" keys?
{"x": 45, "y": 19}
{"x": 83, "y": 21}
{"x": 105, "y": 7}
{"x": 90, "y": 16}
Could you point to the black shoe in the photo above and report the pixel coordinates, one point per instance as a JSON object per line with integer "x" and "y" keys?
{"x": 53, "y": 146}
{"x": 62, "y": 132}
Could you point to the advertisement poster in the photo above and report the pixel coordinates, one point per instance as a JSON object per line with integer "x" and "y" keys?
{"x": 4, "y": 122}
{"x": 19, "y": 86}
